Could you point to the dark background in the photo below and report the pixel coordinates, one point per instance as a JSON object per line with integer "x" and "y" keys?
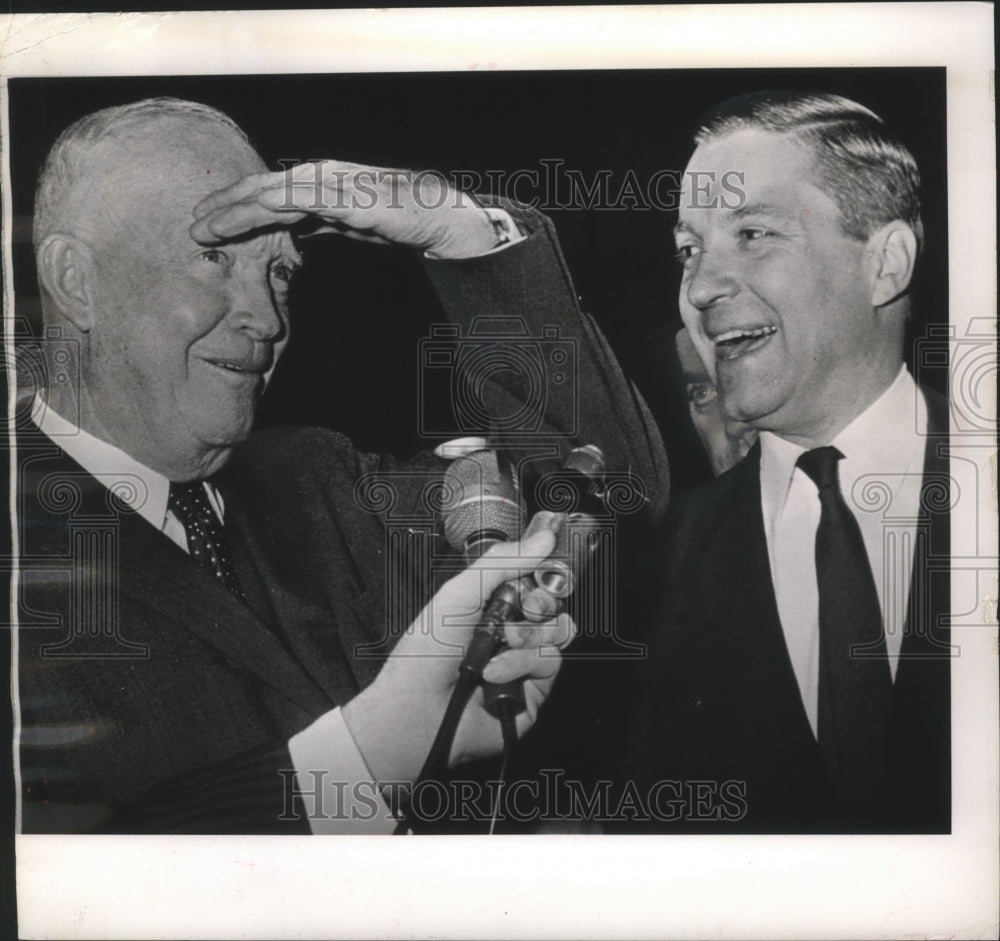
{"x": 359, "y": 310}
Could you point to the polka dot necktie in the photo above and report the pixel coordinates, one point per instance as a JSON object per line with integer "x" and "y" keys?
{"x": 855, "y": 685}
{"x": 206, "y": 541}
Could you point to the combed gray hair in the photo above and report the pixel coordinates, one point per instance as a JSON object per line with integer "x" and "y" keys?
{"x": 869, "y": 174}
{"x": 69, "y": 163}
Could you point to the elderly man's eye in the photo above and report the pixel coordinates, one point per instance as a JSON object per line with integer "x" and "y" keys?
{"x": 283, "y": 273}
{"x": 701, "y": 394}
{"x": 213, "y": 256}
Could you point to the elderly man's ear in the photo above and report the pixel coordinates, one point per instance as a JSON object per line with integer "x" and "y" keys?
{"x": 892, "y": 254}
{"x": 66, "y": 272}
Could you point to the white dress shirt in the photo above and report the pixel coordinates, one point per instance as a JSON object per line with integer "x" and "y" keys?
{"x": 324, "y": 754}
{"x": 880, "y": 477}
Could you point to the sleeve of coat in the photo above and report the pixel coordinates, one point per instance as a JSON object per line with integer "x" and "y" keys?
{"x": 526, "y": 288}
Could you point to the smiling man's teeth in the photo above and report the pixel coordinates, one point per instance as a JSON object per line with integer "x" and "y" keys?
{"x": 734, "y": 344}
{"x": 736, "y": 336}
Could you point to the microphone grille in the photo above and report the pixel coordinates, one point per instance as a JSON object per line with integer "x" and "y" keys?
{"x": 482, "y": 498}
{"x": 473, "y": 470}
{"x": 495, "y": 515}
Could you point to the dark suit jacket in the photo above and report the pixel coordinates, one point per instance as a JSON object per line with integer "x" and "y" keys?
{"x": 153, "y": 700}
{"x": 720, "y": 711}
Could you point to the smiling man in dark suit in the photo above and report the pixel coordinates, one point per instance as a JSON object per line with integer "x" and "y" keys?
{"x": 801, "y": 664}
{"x": 204, "y": 613}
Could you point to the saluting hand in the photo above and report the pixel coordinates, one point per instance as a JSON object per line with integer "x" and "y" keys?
{"x": 373, "y": 204}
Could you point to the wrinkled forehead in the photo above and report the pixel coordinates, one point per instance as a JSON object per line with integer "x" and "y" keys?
{"x": 160, "y": 170}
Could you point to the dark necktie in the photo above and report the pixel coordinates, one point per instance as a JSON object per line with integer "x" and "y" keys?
{"x": 855, "y": 684}
{"x": 205, "y": 538}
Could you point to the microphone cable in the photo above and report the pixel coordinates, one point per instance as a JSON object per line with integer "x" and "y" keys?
{"x": 487, "y": 641}
{"x": 506, "y": 712}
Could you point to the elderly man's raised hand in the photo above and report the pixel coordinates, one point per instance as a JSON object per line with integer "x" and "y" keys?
{"x": 414, "y": 208}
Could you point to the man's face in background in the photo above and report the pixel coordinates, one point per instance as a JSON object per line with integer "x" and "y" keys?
{"x": 185, "y": 335}
{"x": 725, "y": 441}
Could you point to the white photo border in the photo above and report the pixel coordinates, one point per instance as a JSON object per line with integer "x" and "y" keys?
{"x": 583, "y": 887}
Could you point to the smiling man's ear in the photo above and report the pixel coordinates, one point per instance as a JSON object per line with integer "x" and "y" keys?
{"x": 892, "y": 253}
{"x": 66, "y": 274}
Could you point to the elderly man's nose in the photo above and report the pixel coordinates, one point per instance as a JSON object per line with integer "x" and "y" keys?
{"x": 712, "y": 280}
{"x": 255, "y": 309}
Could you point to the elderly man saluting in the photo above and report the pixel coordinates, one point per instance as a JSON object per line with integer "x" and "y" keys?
{"x": 195, "y": 600}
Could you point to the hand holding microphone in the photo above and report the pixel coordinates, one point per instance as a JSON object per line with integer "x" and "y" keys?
{"x": 394, "y": 720}
{"x": 515, "y": 641}
{"x": 484, "y": 508}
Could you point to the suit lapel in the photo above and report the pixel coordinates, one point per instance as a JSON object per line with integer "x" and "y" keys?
{"x": 157, "y": 575}
{"x": 929, "y": 584}
{"x": 302, "y": 616}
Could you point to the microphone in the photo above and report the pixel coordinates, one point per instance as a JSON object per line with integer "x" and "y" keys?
{"x": 482, "y": 505}
{"x": 485, "y": 508}
{"x": 578, "y": 486}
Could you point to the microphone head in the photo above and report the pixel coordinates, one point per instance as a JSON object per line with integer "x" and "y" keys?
{"x": 578, "y": 486}
{"x": 587, "y": 460}
{"x": 483, "y": 504}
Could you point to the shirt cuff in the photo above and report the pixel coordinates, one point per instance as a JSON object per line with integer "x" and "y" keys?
{"x": 504, "y": 228}
{"x": 334, "y": 784}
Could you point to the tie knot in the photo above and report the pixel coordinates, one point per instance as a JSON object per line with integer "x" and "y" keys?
{"x": 187, "y": 497}
{"x": 820, "y": 464}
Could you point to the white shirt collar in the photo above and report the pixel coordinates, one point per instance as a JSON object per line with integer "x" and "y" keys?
{"x": 883, "y": 439}
{"x": 139, "y": 487}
